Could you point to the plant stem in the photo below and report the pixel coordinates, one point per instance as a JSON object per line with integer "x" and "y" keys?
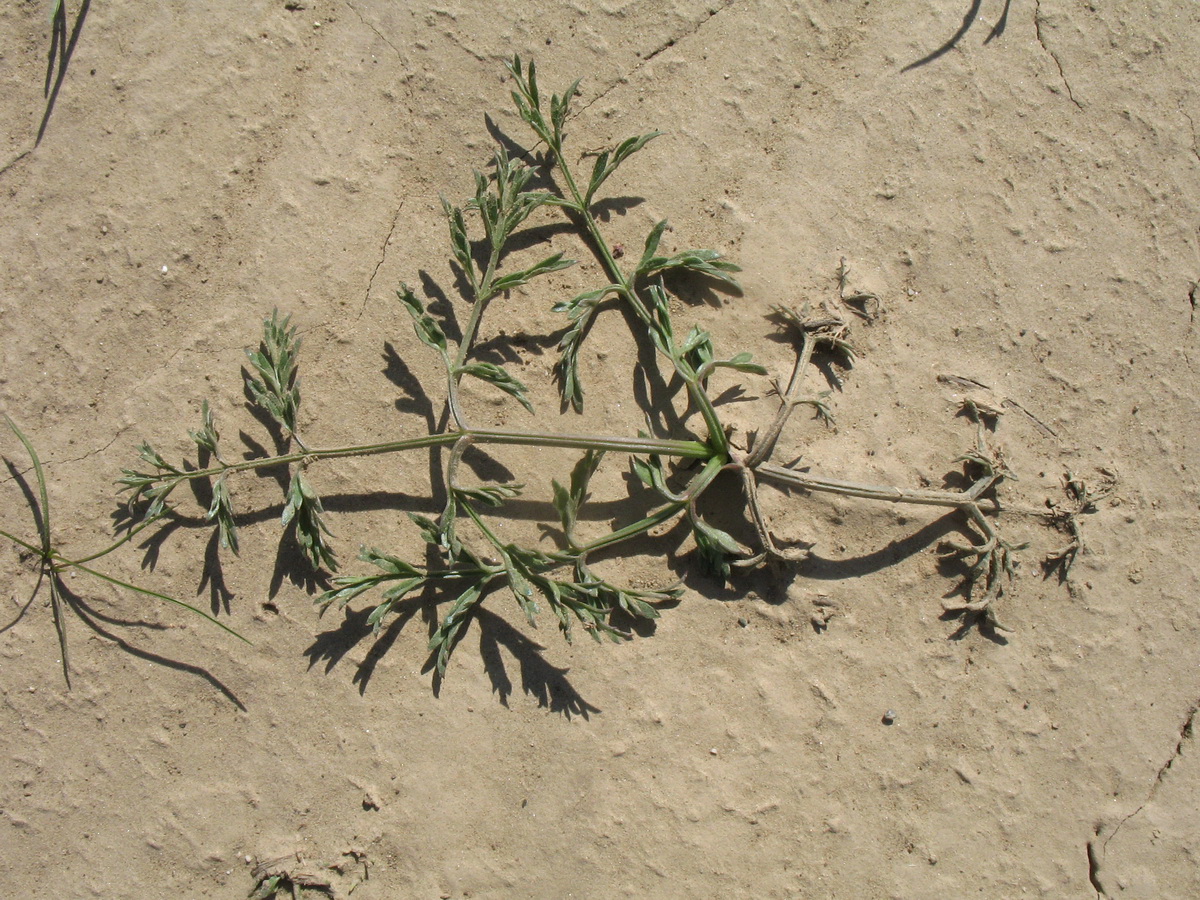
{"x": 653, "y": 446}
{"x": 957, "y": 499}
{"x": 716, "y": 432}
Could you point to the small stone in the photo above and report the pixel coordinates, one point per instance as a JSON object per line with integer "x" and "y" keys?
{"x": 889, "y": 717}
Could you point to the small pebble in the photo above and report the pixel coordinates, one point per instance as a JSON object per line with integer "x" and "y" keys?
{"x": 743, "y": 621}
{"x": 889, "y": 717}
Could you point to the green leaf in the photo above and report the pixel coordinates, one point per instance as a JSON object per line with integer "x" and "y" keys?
{"x": 650, "y": 472}
{"x": 742, "y": 362}
{"x": 568, "y": 502}
{"x": 459, "y": 244}
{"x": 716, "y": 547}
{"x": 607, "y": 162}
{"x": 490, "y": 495}
{"x": 304, "y": 508}
{"x": 652, "y": 240}
{"x": 449, "y": 631}
{"x": 221, "y": 510}
{"x": 498, "y": 376}
{"x": 516, "y": 279}
{"x": 277, "y": 388}
{"x": 519, "y": 585}
{"x": 706, "y": 262}
{"x": 206, "y": 437}
{"x": 42, "y": 514}
{"x": 561, "y": 106}
{"x": 425, "y": 325}
{"x": 390, "y": 564}
{"x": 580, "y": 310}
{"x": 662, "y": 329}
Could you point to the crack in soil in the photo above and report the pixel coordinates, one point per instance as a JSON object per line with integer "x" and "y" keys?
{"x": 1191, "y": 122}
{"x": 1096, "y": 855}
{"x": 668, "y": 43}
{"x": 379, "y": 33}
{"x": 382, "y": 256}
{"x": 1037, "y": 27}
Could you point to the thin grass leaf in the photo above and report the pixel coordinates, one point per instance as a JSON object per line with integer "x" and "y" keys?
{"x": 41, "y": 516}
{"x": 164, "y": 597}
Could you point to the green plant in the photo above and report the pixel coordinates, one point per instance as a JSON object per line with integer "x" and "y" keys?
{"x": 52, "y": 563}
{"x": 468, "y": 560}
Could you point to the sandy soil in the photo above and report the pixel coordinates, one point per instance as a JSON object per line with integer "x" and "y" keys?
{"x": 1026, "y": 208}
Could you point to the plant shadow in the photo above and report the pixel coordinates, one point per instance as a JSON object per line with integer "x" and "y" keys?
{"x": 967, "y": 22}
{"x": 58, "y": 59}
{"x": 540, "y": 679}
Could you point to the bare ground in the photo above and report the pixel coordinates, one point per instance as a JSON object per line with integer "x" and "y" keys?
{"x": 1025, "y": 204}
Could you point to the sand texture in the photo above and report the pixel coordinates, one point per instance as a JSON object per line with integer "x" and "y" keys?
{"x": 1026, "y": 207}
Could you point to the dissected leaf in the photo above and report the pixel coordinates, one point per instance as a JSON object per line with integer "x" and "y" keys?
{"x": 608, "y": 161}
{"x": 207, "y": 436}
{"x": 304, "y": 508}
{"x": 277, "y": 388}
{"x": 550, "y": 264}
{"x": 221, "y": 510}
{"x": 499, "y": 377}
{"x": 489, "y": 494}
{"x": 424, "y": 324}
{"x": 568, "y": 502}
{"x": 706, "y": 262}
{"x": 449, "y": 630}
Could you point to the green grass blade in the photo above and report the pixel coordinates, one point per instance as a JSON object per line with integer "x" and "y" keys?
{"x": 60, "y": 626}
{"x": 155, "y": 594}
{"x": 42, "y": 521}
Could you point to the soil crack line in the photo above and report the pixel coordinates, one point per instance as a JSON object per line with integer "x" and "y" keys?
{"x": 382, "y": 256}
{"x": 669, "y": 42}
{"x": 1192, "y": 123}
{"x": 1096, "y": 855}
{"x": 379, "y": 33}
{"x": 1037, "y": 27}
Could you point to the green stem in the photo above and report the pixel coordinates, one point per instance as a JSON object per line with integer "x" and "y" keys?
{"x": 663, "y": 514}
{"x": 957, "y": 499}
{"x": 716, "y": 432}
{"x": 655, "y": 446}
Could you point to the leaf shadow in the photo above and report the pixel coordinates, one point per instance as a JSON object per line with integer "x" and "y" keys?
{"x": 62, "y": 48}
{"x": 96, "y": 620}
{"x": 967, "y": 22}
